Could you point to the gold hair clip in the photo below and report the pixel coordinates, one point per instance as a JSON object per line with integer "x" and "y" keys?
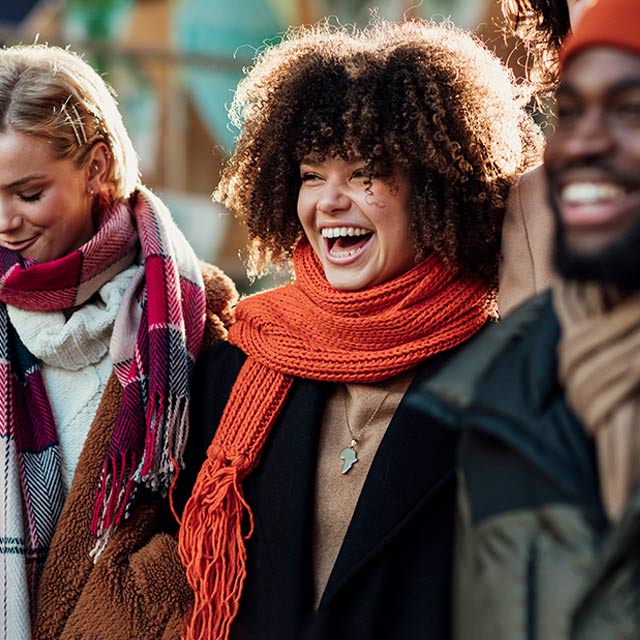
{"x": 79, "y": 127}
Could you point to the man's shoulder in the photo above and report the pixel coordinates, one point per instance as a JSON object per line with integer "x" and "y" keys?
{"x": 508, "y": 352}
{"x": 503, "y": 389}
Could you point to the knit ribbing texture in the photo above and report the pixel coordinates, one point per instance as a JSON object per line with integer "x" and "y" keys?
{"x": 309, "y": 330}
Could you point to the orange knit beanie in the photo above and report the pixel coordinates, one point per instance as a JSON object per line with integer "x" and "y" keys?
{"x": 607, "y": 23}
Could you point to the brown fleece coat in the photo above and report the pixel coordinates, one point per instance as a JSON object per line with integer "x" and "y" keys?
{"x": 127, "y": 594}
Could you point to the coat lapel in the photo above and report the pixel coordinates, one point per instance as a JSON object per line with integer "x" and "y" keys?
{"x": 413, "y": 459}
{"x": 281, "y": 493}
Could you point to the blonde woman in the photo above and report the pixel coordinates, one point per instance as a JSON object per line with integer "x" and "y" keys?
{"x": 103, "y": 309}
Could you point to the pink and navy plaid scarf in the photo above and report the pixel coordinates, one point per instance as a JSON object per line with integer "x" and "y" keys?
{"x": 157, "y": 334}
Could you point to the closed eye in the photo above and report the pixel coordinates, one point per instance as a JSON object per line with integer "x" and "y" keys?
{"x": 30, "y": 197}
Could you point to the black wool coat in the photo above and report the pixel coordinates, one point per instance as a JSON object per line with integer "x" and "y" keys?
{"x": 392, "y": 576}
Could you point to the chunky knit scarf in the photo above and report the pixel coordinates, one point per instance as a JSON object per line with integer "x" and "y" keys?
{"x": 599, "y": 365}
{"x": 156, "y": 335}
{"x": 308, "y": 330}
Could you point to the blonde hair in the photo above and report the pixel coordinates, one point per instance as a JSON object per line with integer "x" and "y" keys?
{"x": 52, "y": 93}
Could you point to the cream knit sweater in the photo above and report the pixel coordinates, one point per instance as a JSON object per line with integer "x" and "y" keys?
{"x": 74, "y": 355}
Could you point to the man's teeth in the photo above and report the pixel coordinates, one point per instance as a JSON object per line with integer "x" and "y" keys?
{"x": 341, "y": 232}
{"x": 589, "y": 192}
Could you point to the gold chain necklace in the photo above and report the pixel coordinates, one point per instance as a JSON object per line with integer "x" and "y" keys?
{"x": 349, "y": 455}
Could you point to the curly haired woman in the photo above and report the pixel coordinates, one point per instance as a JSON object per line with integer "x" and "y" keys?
{"x": 103, "y": 310}
{"x": 376, "y": 162}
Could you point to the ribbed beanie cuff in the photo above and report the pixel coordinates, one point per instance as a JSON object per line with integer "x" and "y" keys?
{"x": 607, "y": 23}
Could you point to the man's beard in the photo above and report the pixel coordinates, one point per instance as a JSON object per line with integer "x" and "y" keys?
{"x": 618, "y": 264}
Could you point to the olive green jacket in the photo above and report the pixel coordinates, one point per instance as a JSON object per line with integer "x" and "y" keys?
{"x": 535, "y": 555}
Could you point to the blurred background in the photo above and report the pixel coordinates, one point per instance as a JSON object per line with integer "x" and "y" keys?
{"x": 174, "y": 65}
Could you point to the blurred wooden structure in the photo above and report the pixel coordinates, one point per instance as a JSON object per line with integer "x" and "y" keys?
{"x": 184, "y": 159}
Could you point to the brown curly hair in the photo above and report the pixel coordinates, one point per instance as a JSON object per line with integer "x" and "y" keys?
{"x": 425, "y": 100}
{"x": 542, "y": 26}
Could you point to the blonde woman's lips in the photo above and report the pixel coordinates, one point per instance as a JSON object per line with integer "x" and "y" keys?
{"x": 20, "y": 245}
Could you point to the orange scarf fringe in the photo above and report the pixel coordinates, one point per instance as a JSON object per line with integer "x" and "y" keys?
{"x": 308, "y": 330}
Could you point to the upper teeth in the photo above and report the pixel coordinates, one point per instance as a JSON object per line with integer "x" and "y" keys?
{"x": 337, "y": 232}
{"x": 586, "y": 192}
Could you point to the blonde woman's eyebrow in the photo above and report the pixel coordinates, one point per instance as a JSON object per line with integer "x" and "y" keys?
{"x": 22, "y": 181}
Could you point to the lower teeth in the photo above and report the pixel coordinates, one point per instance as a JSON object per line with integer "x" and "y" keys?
{"x": 345, "y": 254}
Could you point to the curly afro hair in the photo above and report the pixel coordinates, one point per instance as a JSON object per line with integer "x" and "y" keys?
{"x": 542, "y": 26}
{"x": 423, "y": 99}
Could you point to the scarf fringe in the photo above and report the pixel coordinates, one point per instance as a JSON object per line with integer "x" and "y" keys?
{"x": 120, "y": 477}
{"x": 116, "y": 490}
{"x": 308, "y": 330}
{"x": 213, "y": 549}
{"x": 164, "y": 444}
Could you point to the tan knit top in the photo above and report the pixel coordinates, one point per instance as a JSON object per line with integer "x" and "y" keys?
{"x": 337, "y": 493}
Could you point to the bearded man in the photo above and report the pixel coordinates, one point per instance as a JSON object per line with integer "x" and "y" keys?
{"x": 548, "y": 533}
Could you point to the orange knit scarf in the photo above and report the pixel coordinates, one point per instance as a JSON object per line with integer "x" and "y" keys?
{"x": 308, "y": 330}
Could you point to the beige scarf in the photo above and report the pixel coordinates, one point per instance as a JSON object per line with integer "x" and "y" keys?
{"x": 599, "y": 365}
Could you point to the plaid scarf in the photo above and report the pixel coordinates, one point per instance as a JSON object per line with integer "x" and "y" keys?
{"x": 156, "y": 336}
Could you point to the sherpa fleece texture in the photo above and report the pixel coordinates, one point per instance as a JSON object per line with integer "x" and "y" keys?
{"x": 138, "y": 588}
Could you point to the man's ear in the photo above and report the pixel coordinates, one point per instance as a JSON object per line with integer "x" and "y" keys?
{"x": 98, "y": 166}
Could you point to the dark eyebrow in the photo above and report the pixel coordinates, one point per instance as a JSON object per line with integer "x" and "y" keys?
{"x": 318, "y": 163}
{"x": 627, "y": 84}
{"x": 25, "y": 180}
{"x": 310, "y": 163}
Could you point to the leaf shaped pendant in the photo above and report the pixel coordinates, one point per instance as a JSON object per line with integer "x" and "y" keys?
{"x": 349, "y": 457}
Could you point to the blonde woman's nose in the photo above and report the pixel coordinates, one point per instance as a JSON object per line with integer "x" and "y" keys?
{"x": 9, "y": 220}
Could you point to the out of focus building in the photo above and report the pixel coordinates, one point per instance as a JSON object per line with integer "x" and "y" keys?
{"x": 174, "y": 65}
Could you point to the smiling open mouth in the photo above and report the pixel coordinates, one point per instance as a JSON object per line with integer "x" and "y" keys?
{"x": 20, "y": 245}
{"x": 596, "y": 203}
{"x": 590, "y": 193}
{"x": 344, "y": 242}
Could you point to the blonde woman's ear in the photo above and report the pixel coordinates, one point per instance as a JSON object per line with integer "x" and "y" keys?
{"x": 98, "y": 168}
